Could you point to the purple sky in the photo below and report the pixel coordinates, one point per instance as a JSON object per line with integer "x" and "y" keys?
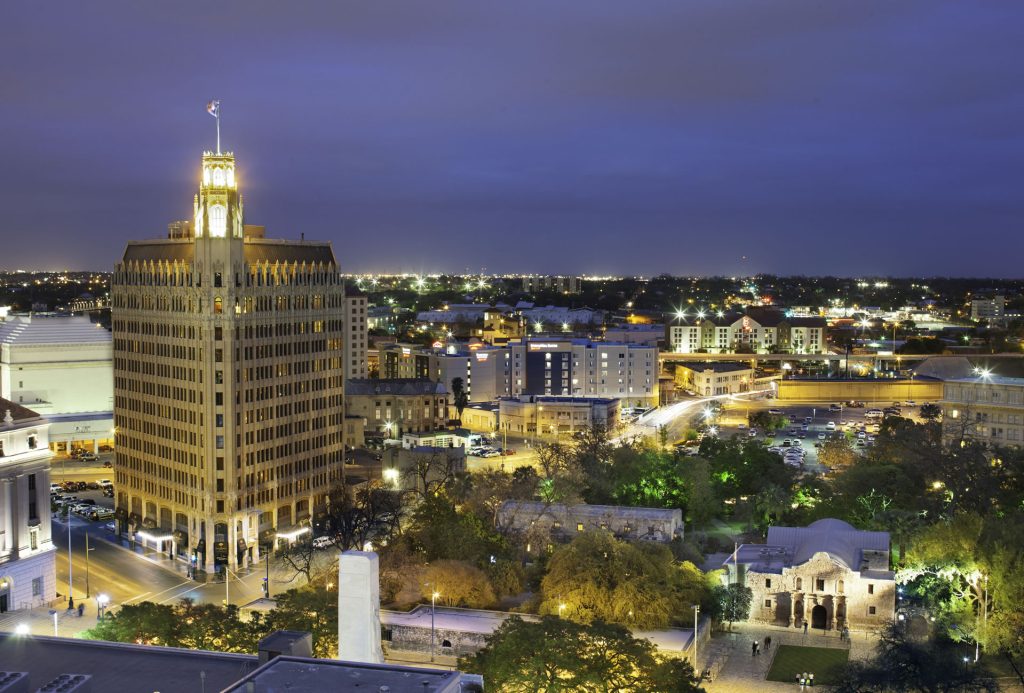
{"x": 825, "y": 136}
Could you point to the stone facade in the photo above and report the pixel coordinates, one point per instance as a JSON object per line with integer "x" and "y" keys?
{"x": 228, "y": 381}
{"x": 27, "y": 577}
{"x": 563, "y": 522}
{"x": 827, "y": 575}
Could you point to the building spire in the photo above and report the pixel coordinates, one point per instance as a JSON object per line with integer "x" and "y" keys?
{"x": 213, "y": 108}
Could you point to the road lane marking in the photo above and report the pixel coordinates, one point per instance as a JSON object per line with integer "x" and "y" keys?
{"x": 138, "y": 596}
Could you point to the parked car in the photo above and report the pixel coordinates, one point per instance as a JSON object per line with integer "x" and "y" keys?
{"x": 88, "y": 457}
{"x": 323, "y": 543}
{"x": 775, "y": 412}
{"x": 834, "y": 407}
{"x": 831, "y": 425}
{"x": 98, "y": 514}
{"x": 108, "y": 464}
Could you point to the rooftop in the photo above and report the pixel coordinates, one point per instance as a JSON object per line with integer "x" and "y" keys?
{"x": 790, "y": 546}
{"x": 393, "y": 386}
{"x": 18, "y": 412}
{"x": 716, "y": 366}
{"x": 300, "y": 674}
{"x": 25, "y": 330}
{"x": 120, "y": 667}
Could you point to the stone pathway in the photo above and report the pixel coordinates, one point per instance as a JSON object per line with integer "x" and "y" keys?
{"x": 737, "y": 671}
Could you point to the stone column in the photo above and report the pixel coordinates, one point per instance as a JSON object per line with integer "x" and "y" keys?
{"x": 7, "y": 518}
{"x": 208, "y": 565}
{"x": 792, "y": 608}
{"x": 233, "y": 544}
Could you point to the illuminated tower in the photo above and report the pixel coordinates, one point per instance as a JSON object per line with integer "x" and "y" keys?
{"x": 227, "y": 381}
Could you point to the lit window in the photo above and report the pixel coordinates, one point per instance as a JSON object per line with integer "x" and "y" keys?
{"x": 218, "y": 221}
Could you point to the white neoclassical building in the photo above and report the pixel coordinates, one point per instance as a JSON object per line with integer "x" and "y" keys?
{"x": 828, "y": 575}
{"x": 27, "y": 577}
{"x": 62, "y": 367}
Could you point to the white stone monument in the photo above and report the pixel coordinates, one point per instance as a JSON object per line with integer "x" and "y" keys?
{"x": 359, "y": 608}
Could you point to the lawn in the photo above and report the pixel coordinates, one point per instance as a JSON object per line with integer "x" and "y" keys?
{"x": 825, "y": 663}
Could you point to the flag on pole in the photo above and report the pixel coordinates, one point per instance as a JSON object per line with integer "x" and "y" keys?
{"x": 213, "y": 108}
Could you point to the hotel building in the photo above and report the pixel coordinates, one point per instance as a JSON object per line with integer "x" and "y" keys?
{"x": 228, "y": 381}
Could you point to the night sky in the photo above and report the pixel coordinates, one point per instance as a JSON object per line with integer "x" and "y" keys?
{"x": 813, "y": 137}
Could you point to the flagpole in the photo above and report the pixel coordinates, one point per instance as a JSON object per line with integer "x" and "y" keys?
{"x": 218, "y": 128}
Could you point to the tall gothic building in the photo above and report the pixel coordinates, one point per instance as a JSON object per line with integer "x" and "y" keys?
{"x": 228, "y": 381}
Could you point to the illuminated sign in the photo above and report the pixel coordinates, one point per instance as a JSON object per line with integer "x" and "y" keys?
{"x": 436, "y": 345}
{"x": 406, "y": 351}
{"x": 482, "y": 356}
{"x": 536, "y": 346}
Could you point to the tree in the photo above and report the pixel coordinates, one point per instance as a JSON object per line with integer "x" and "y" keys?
{"x": 766, "y": 422}
{"x": 458, "y": 583}
{"x": 837, "y": 452}
{"x": 599, "y": 577}
{"x": 930, "y": 411}
{"x": 904, "y": 664}
{"x": 459, "y": 396}
{"x": 355, "y": 517}
{"x": 702, "y": 502}
{"x": 313, "y": 609}
{"x": 439, "y": 530}
{"x": 431, "y": 473}
{"x": 555, "y": 654}
{"x": 561, "y": 477}
{"x": 731, "y": 602}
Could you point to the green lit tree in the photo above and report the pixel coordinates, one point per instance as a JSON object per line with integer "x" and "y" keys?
{"x": 555, "y": 654}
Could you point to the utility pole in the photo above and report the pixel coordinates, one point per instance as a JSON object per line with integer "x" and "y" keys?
{"x": 71, "y": 598}
{"x": 87, "y": 550}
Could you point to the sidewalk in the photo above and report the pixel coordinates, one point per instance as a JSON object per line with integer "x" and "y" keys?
{"x": 40, "y": 620}
{"x": 739, "y": 671}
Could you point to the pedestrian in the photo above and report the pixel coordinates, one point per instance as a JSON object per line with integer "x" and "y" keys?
{"x": 846, "y": 633}
{"x": 767, "y": 643}
{"x": 810, "y": 680}
{"x": 757, "y": 647}
{"x": 81, "y": 609}
{"x": 805, "y": 627}
{"x": 753, "y": 648}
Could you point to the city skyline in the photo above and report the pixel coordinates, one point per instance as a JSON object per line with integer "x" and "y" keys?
{"x": 532, "y": 139}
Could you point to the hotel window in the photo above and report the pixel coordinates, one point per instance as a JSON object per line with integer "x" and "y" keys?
{"x": 579, "y": 526}
{"x": 871, "y": 589}
{"x": 37, "y": 587}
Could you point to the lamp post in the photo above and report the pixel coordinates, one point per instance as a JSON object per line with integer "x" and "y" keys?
{"x": 433, "y": 603}
{"x": 87, "y": 550}
{"x": 696, "y": 614}
{"x": 101, "y": 603}
{"x": 71, "y": 597}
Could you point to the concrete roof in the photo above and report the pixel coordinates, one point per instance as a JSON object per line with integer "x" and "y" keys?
{"x": 120, "y": 667}
{"x": 293, "y": 674}
{"x": 716, "y": 366}
{"x": 24, "y": 330}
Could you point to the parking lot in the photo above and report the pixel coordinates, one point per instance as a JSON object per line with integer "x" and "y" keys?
{"x": 810, "y": 423}
{"x": 90, "y": 500}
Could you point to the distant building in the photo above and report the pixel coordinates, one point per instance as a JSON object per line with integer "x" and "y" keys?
{"x": 563, "y": 285}
{"x": 480, "y": 417}
{"x": 991, "y": 311}
{"x": 644, "y": 335}
{"x": 355, "y": 343}
{"x": 483, "y": 370}
{"x": 62, "y": 367}
{"x": 554, "y": 366}
{"x": 563, "y": 522}
{"x": 707, "y": 379}
{"x": 27, "y": 577}
{"x": 985, "y": 408}
{"x": 757, "y": 331}
{"x": 394, "y": 406}
{"x": 555, "y": 318}
{"x": 403, "y": 361}
{"x": 547, "y": 417}
{"x": 828, "y": 575}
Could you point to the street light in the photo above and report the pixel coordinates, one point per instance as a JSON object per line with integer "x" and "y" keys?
{"x": 696, "y": 614}
{"x": 21, "y": 629}
{"x": 433, "y": 604}
{"x": 101, "y": 603}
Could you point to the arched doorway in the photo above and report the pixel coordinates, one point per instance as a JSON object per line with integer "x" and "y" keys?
{"x": 819, "y": 616}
